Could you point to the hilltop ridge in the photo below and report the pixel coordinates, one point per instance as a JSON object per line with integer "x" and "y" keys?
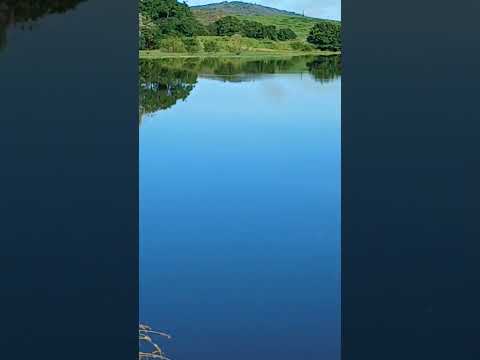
{"x": 243, "y": 8}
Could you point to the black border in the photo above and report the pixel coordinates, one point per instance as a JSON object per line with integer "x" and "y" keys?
{"x": 69, "y": 194}
{"x": 410, "y": 143}
{"x": 69, "y": 201}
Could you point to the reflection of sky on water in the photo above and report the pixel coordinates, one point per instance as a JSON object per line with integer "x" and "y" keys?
{"x": 240, "y": 217}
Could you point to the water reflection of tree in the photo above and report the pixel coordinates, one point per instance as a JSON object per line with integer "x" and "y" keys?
{"x": 161, "y": 86}
{"x": 325, "y": 68}
{"x": 164, "y": 82}
{"x": 322, "y": 68}
{"x": 243, "y": 70}
{"x": 240, "y": 70}
{"x": 14, "y": 12}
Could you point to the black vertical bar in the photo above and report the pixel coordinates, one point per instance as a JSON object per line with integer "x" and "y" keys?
{"x": 410, "y": 180}
{"x": 69, "y": 185}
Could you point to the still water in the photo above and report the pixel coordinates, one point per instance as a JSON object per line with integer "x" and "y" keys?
{"x": 240, "y": 207}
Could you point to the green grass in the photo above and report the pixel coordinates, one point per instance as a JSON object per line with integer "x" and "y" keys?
{"x": 159, "y": 54}
{"x": 238, "y": 46}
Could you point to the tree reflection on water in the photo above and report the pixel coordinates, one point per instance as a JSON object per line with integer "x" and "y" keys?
{"x": 163, "y": 82}
{"x": 161, "y": 86}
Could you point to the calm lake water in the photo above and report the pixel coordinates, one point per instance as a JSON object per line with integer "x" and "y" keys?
{"x": 240, "y": 207}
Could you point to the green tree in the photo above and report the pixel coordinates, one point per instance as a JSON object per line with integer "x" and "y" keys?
{"x": 270, "y": 32}
{"x": 286, "y": 34}
{"x": 230, "y": 25}
{"x": 149, "y": 33}
{"x": 172, "y": 17}
{"x": 326, "y": 36}
{"x": 253, "y": 29}
{"x": 227, "y": 26}
{"x": 159, "y": 10}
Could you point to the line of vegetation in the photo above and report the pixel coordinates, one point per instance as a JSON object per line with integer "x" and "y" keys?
{"x": 169, "y": 26}
{"x": 159, "y": 54}
{"x": 231, "y": 25}
{"x": 300, "y": 25}
{"x": 233, "y": 45}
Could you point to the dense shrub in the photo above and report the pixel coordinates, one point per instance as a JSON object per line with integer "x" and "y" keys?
{"x": 227, "y": 26}
{"x": 211, "y": 46}
{"x": 270, "y": 32}
{"x": 235, "y": 44}
{"x": 326, "y": 36}
{"x": 230, "y": 25}
{"x": 286, "y": 34}
{"x": 172, "y": 44}
{"x": 192, "y": 44}
{"x": 252, "y": 29}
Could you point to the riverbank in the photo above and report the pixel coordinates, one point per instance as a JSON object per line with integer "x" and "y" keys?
{"x": 159, "y": 54}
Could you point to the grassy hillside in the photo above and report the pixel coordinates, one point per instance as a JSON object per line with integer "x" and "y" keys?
{"x": 301, "y": 25}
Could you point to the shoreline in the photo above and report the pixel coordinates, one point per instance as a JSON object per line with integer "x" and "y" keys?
{"x": 158, "y": 54}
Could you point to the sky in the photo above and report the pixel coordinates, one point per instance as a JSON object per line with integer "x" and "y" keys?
{"x": 326, "y": 9}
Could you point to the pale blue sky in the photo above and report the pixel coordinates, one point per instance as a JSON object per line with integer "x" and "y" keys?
{"x": 327, "y": 9}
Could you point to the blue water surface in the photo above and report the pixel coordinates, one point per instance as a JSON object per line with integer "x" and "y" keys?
{"x": 240, "y": 220}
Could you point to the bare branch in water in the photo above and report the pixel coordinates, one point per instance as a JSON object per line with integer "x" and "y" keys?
{"x": 145, "y": 340}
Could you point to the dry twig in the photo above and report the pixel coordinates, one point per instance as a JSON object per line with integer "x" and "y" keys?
{"x": 148, "y": 348}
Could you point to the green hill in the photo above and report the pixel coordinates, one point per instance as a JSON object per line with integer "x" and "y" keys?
{"x": 300, "y": 24}
{"x": 172, "y": 27}
{"x": 241, "y": 8}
